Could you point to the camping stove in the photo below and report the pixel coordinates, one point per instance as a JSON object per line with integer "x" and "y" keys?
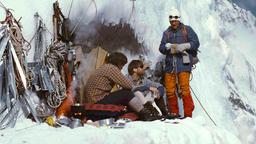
{"x": 77, "y": 111}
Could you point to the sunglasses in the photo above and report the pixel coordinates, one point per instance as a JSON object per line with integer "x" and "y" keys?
{"x": 175, "y": 17}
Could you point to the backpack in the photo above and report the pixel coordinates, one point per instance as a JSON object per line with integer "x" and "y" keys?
{"x": 184, "y": 31}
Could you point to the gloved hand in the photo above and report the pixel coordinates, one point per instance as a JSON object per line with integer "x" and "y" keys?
{"x": 182, "y": 47}
{"x": 170, "y": 46}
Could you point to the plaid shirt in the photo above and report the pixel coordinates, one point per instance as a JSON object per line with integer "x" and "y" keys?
{"x": 102, "y": 81}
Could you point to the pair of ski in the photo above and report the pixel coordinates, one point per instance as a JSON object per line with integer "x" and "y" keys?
{"x": 11, "y": 101}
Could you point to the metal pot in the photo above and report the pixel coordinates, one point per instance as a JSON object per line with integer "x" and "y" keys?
{"x": 106, "y": 122}
{"x": 76, "y": 123}
{"x": 63, "y": 120}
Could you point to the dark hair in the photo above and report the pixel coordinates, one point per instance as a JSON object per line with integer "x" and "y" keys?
{"x": 116, "y": 58}
{"x": 134, "y": 64}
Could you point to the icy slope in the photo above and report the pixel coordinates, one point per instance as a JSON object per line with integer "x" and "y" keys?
{"x": 187, "y": 131}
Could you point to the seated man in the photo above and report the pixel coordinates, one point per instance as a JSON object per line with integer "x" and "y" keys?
{"x": 143, "y": 88}
{"x": 100, "y": 83}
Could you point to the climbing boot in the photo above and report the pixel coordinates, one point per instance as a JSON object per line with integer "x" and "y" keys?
{"x": 165, "y": 112}
{"x": 149, "y": 113}
{"x": 153, "y": 110}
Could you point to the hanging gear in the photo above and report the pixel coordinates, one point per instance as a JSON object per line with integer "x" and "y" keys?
{"x": 15, "y": 96}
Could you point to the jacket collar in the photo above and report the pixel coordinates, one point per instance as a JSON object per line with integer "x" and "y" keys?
{"x": 172, "y": 30}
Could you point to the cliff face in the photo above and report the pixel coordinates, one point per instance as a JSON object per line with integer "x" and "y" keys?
{"x": 248, "y": 5}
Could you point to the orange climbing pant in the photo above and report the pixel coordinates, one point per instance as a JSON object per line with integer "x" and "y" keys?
{"x": 170, "y": 84}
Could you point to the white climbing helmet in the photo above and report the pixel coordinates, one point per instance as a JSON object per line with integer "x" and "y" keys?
{"x": 174, "y": 14}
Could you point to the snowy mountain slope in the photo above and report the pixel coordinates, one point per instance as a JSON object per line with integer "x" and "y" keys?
{"x": 224, "y": 80}
{"x": 188, "y": 131}
{"x": 239, "y": 70}
{"x": 248, "y": 5}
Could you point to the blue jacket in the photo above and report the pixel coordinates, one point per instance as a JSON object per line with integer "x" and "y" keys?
{"x": 143, "y": 85}
{"x": 177, "y": 37}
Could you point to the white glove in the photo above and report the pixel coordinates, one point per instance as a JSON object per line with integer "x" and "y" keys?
{"x": 182, "y": 47}
{"x": 169, "y": 46}
{"x": 172, "y": 47}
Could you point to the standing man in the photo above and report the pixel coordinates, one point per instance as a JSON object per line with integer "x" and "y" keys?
{"x": 180, "y": 44}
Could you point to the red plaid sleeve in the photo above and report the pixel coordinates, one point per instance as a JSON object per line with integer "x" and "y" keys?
{"x": 116, "y": 76}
